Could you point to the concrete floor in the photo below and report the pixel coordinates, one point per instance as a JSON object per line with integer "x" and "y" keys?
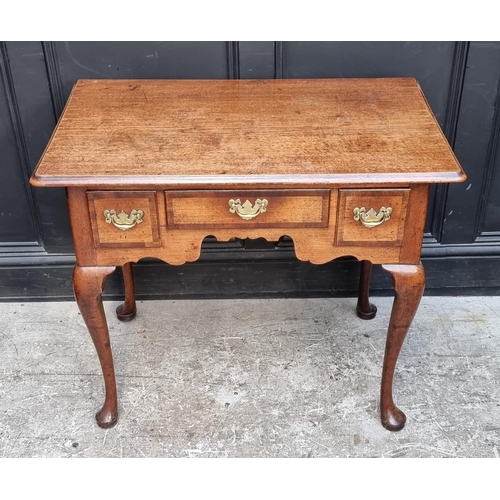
{"x": 251, "y": 378}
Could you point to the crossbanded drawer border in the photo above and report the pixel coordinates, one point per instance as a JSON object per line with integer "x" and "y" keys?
{"x": 244, "y": 194}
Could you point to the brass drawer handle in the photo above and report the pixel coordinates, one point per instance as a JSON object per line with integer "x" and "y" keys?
{"x": 123, "y": 221}
{"x": 372, "y": 218}
{"x": 247, "y": 211}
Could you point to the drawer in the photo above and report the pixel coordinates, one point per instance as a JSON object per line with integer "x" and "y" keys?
{"x": 373, "y": 217}
{"x": 124, "y": 218}
{"x": 248, "y": 208}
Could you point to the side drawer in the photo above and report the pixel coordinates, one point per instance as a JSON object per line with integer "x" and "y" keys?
{"x": 124, "y": 218}
{"x": 223, "y": 209}
{"x": 372, "y": 217}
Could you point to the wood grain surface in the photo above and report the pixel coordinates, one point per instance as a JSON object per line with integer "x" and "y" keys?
{"x": 217, "y": 132}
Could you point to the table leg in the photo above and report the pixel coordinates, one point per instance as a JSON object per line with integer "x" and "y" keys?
{"x": 127, "y": 311}
{"x": 88, "y": 283}
{"x": 364, "y": 309}
{"x": 409, "y": 283}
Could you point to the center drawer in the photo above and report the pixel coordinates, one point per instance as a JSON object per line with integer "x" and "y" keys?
{"x": 247, "y": 208}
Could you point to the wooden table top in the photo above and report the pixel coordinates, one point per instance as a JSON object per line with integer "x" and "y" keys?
{"x": 217, "y": 132}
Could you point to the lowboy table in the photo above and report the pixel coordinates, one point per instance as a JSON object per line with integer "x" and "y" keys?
{"x": 342, "y": 166}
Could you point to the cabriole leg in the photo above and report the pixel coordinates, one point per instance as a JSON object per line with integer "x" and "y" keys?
{"x": 88, "y": 283}
{"x": 409, "y": 283}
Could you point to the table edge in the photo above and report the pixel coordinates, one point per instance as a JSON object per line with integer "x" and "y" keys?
{"x": 200, "y": 181}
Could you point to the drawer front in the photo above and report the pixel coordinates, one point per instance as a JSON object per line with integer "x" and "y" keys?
{"x": 248, "y": 208}
{"x": 124, "y": 218}
{"x": 373, "y": 217}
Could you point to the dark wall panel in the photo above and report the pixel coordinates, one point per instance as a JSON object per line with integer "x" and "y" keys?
{"x": 491, "y": 206}
{"x": 473, "y": 146}
{"x": 36, "y": 112}
{"x": 140, "y": 60}
{"x": 256, "y": 60}
{"x": 492, "y": 210}
{"x": 17, "y": 224}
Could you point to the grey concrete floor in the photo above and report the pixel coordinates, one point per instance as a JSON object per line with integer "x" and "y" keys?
{"x": 251, "y": 378}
